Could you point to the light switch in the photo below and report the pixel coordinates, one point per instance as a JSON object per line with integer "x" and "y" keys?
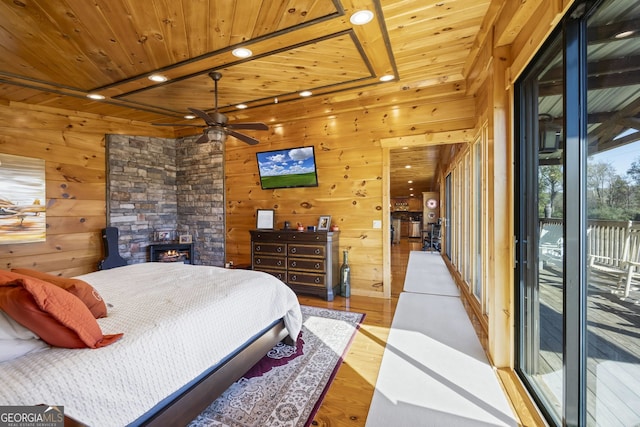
{"x": 377, "y": 223}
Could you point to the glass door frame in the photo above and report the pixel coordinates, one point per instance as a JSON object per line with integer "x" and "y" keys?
{"x": 574, "y": 408}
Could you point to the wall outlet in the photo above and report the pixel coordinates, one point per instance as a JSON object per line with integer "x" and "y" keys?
{"x": 377, "y": 223}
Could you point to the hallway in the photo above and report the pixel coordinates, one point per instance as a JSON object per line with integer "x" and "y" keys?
{"x": 348, "y": 400}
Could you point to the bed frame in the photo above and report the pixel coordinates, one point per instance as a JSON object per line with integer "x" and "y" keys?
{"x": 189, "y": 404}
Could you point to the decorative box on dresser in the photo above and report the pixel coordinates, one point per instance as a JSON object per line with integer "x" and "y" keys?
{"x": 307, "y": 261}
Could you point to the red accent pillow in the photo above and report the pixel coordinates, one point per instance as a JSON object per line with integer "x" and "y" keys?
{"x": 58, "y": 317}
{"x": 79, "y": 288}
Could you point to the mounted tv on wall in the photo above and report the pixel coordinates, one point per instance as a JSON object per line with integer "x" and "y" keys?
{"x": 289, "y": 168}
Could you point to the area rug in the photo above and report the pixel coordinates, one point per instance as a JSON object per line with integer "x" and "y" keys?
{"x": 287, "y": 386}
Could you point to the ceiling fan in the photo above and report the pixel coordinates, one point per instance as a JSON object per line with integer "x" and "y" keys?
{"x": 217, "y": 127}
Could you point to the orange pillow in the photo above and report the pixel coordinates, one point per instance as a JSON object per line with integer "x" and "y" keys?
{"x": 55, "y": 315}
{"x": 79, "y": 288}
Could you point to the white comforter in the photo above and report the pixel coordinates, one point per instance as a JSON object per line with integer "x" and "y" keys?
{"x": 178, "y": 320}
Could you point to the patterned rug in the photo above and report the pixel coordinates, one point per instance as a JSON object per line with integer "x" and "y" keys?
{"x": 286, "y": 387}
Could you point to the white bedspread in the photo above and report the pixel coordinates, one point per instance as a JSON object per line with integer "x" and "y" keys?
{"x": 178, "y": 320}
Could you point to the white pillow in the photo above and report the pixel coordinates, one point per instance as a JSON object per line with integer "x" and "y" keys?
{"x": 16, "y": 340}
{"x": 10, "y": 329}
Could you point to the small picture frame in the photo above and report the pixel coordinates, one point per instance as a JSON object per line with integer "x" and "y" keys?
{"x": 264, "y": 219}
{"x": 324, "y": 223}
{"x": 185, "y": 238}
{"x": 163, "y": 236}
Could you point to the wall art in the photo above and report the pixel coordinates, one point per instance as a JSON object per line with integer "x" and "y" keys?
{"x": 22, "y": 200}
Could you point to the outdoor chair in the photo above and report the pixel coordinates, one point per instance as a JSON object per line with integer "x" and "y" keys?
{"x": 617, "y": 255}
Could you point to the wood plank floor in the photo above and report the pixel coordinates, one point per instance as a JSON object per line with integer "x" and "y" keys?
{"x": 349, "y": 397}
{"x": 347, "y": 402}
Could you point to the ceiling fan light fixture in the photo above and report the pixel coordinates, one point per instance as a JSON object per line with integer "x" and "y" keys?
{"x": 241, "y": 52}
{"x": 158, "y": 78}
{"x": 216, "y": 135}
{"x": 361, "y": 17}
{"x": 95, "y": 96}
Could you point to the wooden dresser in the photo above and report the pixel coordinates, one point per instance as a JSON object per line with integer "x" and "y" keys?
{"x": 307, "y": 261}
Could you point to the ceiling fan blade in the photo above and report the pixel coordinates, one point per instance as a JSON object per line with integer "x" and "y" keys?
{"x": 242, "y": 137}
{"x": 204, "y": 138}
{"x": 252, "y": 126}
{"x": 204, "y": 116}
{"x": 178, "y": 124}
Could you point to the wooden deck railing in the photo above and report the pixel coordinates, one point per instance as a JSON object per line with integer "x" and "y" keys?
{"x": 605, "y": 239}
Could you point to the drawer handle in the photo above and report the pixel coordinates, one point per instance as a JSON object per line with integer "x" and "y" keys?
{"x": 317, "y": 265}
{"x": 293, "y": 263}
{"x": 258, "y": 261}
{"x": 279, "y": 249}
{"x": 279, "y": 262}
{"x": 317, "y": 237}
{"x": 258, "y": 248}
{"x": 294, "y": 278}
{"x": 317, "y": 280}
{"x": 293, "y": 250}
{"x": 317, "y": 251}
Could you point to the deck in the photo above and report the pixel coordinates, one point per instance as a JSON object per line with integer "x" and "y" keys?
{"x": 613, "y": 347}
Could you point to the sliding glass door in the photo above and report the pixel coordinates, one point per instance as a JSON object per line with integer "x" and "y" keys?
{"x": 578, "y": 218}
{"x": 541, "y": 219}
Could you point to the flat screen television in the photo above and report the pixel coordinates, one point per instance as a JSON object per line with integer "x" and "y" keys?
{"x": 288, "y": 168}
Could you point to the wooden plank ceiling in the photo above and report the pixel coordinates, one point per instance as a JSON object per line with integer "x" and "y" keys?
{"x": 54, "y": 53}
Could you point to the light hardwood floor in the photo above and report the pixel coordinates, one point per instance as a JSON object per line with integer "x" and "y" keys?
{"x": 349, "y": 397}
{"x": 347, "y": 402}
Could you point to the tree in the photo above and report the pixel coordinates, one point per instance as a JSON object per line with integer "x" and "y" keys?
{"x": 550, "y": 183}
{"x": 599, "y": 177}
{"x": 634, "y": 171}
{"x": 619, "y": 193}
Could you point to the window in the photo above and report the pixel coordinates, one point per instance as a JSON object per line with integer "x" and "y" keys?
{"x": 577, "y": 219}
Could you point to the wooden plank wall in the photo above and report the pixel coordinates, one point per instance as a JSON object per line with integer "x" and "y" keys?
{"x": 346, "y": 137}
{"x": 72, "y": 145}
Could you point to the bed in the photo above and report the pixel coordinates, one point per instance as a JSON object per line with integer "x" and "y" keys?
{"x": 188, "y": 332}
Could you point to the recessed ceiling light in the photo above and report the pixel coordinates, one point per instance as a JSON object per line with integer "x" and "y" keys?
{"x": 361, "y": 17}
{"x": 409, "y": 182}
{"x": 387, "y": 77}
{"x": 241, "y": 106}
{"x": 408, "y": 167}
{"x": 305, "y": 93}
{"x": 624, "y": 34}
{"x": 189, "y": 117}
{"x": 241, "y": 52}
{"x": 159, "y": 78}
{"x": 95, "y": 96}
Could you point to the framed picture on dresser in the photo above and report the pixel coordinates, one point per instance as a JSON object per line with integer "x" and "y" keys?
{"x": 324, "y": 223}
{"x": 265, "y": 219}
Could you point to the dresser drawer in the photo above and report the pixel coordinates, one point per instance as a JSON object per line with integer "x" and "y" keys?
{"x": 306, "y": 264}
{"x": 301, "y": 278}
{"x": 261, "y": 262}
{"x": 278, "y": 274}
{"x": 301, "y": 250}
{"x": 308, "y": 237}
{"x": 269, "y": 248}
